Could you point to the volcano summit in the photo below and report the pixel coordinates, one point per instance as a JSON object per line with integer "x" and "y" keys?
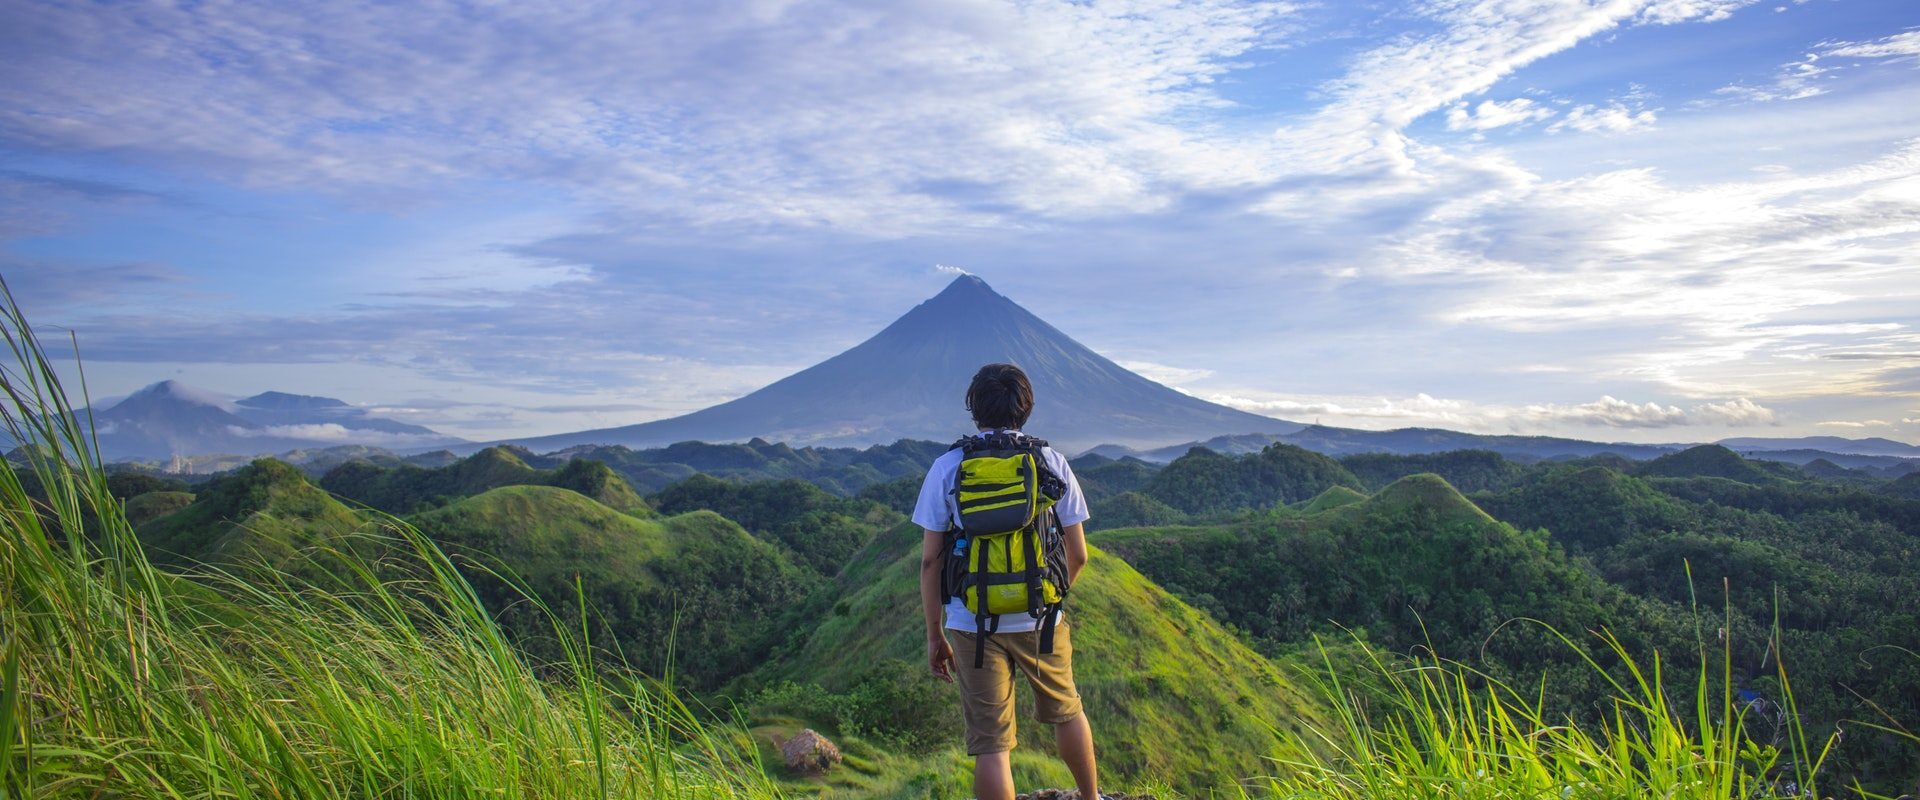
{"x": 908, "y": 381}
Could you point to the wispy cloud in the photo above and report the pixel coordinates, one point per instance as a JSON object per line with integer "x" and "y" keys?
{"x": 1490, "y": 114}
{"x": 1425, "y": 410}
{"x": 1900, "y": 45}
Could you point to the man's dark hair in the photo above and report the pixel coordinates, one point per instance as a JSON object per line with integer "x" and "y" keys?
{"x": 1000, "y": 397}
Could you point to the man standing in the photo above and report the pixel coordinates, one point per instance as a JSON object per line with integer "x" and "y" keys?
{"x": 1000, "y": 400}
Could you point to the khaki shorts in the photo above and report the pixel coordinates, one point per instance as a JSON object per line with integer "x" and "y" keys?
{"x": 986, "y": 694}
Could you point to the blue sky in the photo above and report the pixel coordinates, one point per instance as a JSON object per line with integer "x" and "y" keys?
{"x": 1645, "y": 220}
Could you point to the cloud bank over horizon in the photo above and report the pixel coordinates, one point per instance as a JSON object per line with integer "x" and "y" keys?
{"x": 1646, "y": 220}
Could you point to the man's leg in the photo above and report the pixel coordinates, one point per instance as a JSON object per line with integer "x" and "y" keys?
{"x": 993, "y": 776}
{"x": 986, "y": 700}
{"x": 1074, "y": 740}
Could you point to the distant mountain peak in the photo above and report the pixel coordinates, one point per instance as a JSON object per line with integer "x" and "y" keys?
{"x": 282, "y": 401}
{"x": 175, "y": 390}
{"x": 968, "y": 286}
{"x": 909, "y": 381}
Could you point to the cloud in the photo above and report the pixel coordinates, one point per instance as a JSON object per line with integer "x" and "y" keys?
{"x": 949, "y": 269}
{"x": 1615, "y": 118}
{"x": 1899, "y": 45}
{"x": 1164, "y": 374}
{"x": 1871, "y": 423}
{"x": 714, "y": 160}
{"x": 61, "y": 284}
{"x": 767, "y": 113}
{"x": 1795, "y": 80}
{"x": 332, "y": 433}
{"x": 1490, "y": 114}
{"x": 1426, "y": 410}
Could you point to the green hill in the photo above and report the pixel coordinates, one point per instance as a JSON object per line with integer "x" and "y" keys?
{"x": 143, "y": 508}
{"x": 1206, "y": 482}
{"x": 1906, "y": 487}
{"x": 1712, "y": 461}
{"x": 1132, "y": 509}
{"x": 263, "y": 512}
{"x": 1172, "y": 695}
{"x": 598, "y": 481}
{"x": 1101, "y": 477}
{"x": 819, "y": 530}
{"x": 406, "y": 488}
{"x": 1589, "y": 508}
{"x": 1333, "y": 497}
{"x": 1415, "y": 565}
{"x": 694, "y": 587}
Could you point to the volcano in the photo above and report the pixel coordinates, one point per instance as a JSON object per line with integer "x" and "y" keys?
{"x": 909, "y": 382}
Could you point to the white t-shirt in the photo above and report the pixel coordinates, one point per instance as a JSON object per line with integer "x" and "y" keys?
{"x": 935, "y": 511}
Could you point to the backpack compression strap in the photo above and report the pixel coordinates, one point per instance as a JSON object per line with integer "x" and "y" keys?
{"x": 984, "y": 624}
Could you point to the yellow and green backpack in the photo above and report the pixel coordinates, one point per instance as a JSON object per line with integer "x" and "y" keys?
{"x": 1008, "y": 556}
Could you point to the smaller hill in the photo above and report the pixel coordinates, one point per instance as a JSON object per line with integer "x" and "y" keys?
{"x": 1099, "y": 481}
{"x": 265, "y": 512}
{"x": 128, "y": 484}
{"x": 598, "y": 481}
{"x": 1206, "y": 482}
{"x": 1710, "y": 461}
{"x": 694, "y": 587}
{"x": 1589, "y": 508}
{"x": 1132, "y": 509}
{"x": 817, "y": 529}
{"x": 406, "y": 488}
{"x": 1334, "y": 497}
{"x": 1906, "y": 487}
{"x": 144, "y": 508}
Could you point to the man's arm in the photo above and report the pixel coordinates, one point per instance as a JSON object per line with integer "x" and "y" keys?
{"x": 933, "y": 547}
{"x": 1076, "y": 541}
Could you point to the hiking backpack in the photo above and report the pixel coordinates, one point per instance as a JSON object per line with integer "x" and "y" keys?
{"x": 1009, "y": 555}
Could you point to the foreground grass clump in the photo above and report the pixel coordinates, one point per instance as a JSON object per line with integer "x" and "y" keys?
{"x": 1434, "y": 728}
{"x": 121, "y": 680}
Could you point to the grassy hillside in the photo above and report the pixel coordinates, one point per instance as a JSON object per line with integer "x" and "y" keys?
{"x": 118, "y": 679}
{"x": 1173, "y": 696}
{"x": 264, "y": 512}
{"x": 692, "y": 594}
{"x": 1334, "y": 497}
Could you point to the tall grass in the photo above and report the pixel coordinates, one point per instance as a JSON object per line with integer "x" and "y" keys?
{"x": 1433, "y": 728}
{"x": 121, "y": 680}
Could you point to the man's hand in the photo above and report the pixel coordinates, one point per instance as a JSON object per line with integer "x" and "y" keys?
{"x": 940, "y": 658}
